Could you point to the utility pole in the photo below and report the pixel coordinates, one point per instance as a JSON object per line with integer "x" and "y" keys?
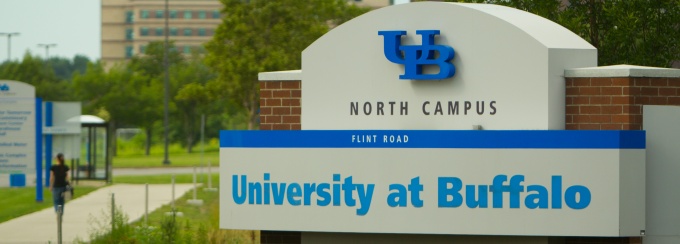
{"x": 47, "y": 49}
{"x": 9, "y": 42}
{"x": 166, "y": 87}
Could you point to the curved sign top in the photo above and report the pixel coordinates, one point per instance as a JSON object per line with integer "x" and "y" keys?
{"x": 441, "y": 66}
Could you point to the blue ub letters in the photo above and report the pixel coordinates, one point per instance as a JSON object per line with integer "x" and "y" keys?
{"x": 414, "y": 57}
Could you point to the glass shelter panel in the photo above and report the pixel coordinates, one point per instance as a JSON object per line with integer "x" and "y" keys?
{"x": 93, "y": 163}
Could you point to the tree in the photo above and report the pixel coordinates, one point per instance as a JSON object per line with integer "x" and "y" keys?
{"x": 191, "y": 97}
{"x": 638, "y": 32}
{"x": 36, "y": 72}
{"x": 64, "y": 68}
{"x": 149, "y": 69}
{"x": 264, "y": 35}
{"x": 151, "y": 62}
{"x": 117, "y": 92}
{"x": 92, "y": 86}
{"x": 131, "y": 93}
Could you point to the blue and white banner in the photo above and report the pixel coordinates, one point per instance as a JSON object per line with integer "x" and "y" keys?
{"x": 545, "y": 183}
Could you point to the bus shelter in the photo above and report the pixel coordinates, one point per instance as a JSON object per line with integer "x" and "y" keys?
{"x": 93, "y": 163}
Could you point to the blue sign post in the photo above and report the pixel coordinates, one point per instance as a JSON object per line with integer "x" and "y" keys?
{"x": 38, "y": 151}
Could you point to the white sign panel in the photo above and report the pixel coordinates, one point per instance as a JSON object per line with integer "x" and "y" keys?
{"x": 544, "y": 183}
{"x": 17, "y": 128}
{"x": 441, "y": 66}
{"x": 65, "y": 127}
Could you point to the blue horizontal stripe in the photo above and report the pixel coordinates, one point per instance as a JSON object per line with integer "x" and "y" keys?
{"x": 558, "y": 139}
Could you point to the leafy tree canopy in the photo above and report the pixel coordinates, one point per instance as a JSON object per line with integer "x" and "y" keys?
{"x": 264, "y": 35}
{"x": 40, "y": 74}
{"x": 637, "y": 32}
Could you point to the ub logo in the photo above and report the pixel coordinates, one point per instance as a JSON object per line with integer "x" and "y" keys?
{"x": 4, "y": 87}
{"x": 414, "y": 57}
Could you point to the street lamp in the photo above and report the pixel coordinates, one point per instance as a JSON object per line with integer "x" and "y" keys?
{"x": 9, "y": 42}
{"x": 47, "y": 49}
{"x": 166, "y": 87}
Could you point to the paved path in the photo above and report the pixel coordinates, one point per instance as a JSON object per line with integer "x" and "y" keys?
{"x": 160, "y": 171}
{"x": 41, "y": 227}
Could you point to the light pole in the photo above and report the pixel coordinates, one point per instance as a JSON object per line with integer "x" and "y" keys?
{"x": 166, "y": 88}
{"x": 47, "y": 49}
{"x": 9, "y": 42}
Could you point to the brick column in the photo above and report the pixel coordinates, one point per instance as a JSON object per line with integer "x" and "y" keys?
{"x": 280, "y": 105}
{"x": 611, "y": 98}
{"x": 280, "y": 110}
{"x": 615, "y": 103}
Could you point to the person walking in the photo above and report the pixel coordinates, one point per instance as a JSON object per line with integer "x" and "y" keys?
{"x": 58, "y": 182}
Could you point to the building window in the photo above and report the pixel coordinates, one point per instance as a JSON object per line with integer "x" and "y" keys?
{"x": 128, "y": 52}
{"x": 201, "y": 14}
{"x": 188, "y": 32}
{"x": 201, "y": 32}
{"x": 173, "y": 31}
{"x": 144, "y": 14}
{"x": 173, "y": 14}
{"x": 129, "y": 34}
{"x": 187, "y": 14}
{"x": 144, "y": 31}
{"x": 142, "y": 49}
{"x": 187, "y": 49}
{"x": 159, "y": 31}
{"x": 159, "y": 14}
{"x": 129, "y": 16}
{"x": 215, "y": 14}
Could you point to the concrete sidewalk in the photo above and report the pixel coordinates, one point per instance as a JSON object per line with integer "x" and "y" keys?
{"x": 41, "y": 226}
{"x": 170, "y": 170}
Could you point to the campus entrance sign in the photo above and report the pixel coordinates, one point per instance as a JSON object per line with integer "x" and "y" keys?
{"x": 389, "y": 101}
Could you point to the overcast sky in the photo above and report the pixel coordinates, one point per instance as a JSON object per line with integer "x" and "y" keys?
{"x": 74, "y": 25}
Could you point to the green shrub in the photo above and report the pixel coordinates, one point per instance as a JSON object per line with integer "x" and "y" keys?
{"x": 111, "y": 228}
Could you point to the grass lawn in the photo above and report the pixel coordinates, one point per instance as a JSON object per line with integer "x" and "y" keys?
{"x": 17, "y": 202}
{"x": 199, "y": 224}
{"x": 156, "y": 160}
{"x": 162, "y": 179}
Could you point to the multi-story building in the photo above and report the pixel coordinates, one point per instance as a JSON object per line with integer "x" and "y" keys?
{"x": 129, "y": 25}
{"x": 372, "y": 3}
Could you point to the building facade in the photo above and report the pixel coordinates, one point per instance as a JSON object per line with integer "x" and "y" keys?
{"x": 129, "y": 25}
{"x": 372, "y": 3}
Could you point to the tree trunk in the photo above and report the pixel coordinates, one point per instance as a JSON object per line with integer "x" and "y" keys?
{"x": 594, "y": 25}
{"x": 251, "y": 121}
{"x": 252, "y": 107}
{"x": 189, "y": 130}
{"x": 190, "y": 143}
{"x": 147, "y": 147}
{"x": 114, "y": 135}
